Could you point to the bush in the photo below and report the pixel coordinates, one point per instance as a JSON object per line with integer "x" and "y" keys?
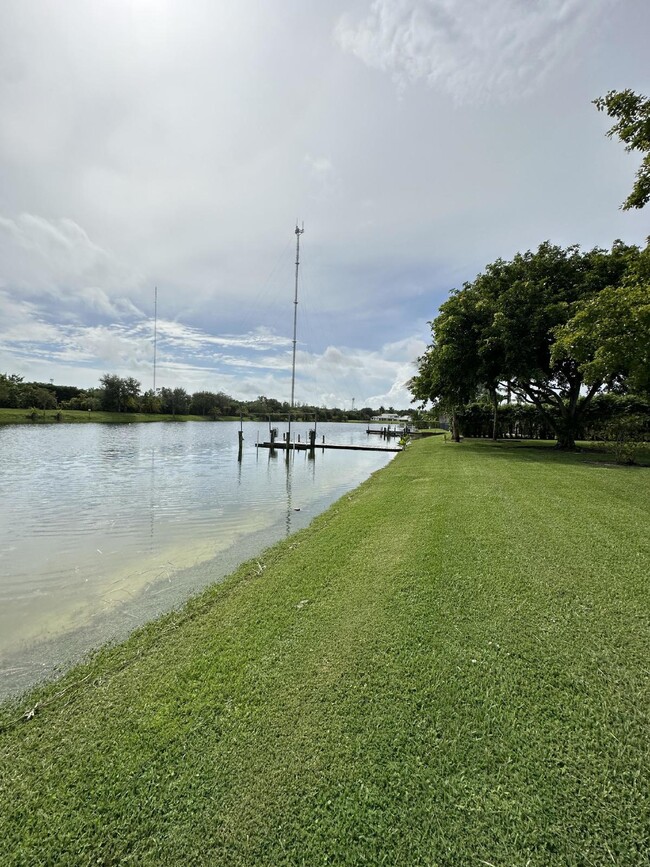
{"x": 625, "y": 435}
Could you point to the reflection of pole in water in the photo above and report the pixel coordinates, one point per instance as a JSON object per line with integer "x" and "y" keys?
{"x": 152, "y": 492}
{"x": 289, "y": 467}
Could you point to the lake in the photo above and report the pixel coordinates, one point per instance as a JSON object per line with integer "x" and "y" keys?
{"x": 104, "y": 527}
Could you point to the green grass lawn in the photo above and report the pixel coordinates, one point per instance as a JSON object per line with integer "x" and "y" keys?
{"x": 449, "y": 667}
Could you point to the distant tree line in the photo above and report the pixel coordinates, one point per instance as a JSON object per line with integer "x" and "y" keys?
{"x": 124, "y": 395}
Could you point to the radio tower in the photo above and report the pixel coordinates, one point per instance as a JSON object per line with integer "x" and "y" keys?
{"x": 155, "y": 334}
{"x": 299, "y": 232}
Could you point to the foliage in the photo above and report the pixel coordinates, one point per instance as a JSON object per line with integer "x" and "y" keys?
{"x": 150, "y": 402}
{"x": 34, "y": 396}
{"x": 499, "y": 331}
{"x": 626, "y": 435}
{"x": 175, "y": 400}
{"x": 10, "y": 389}
{"x": 85, "y": 400}
{"x": 448, "y": 667}
{"x": 119, "y": 394}
{"x": 609, "y": 333}
{"x": 632, "y": 113}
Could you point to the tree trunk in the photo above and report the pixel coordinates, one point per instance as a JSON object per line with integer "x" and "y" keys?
{"x": 455, "y": 431}
{"x": 566, "y": 440}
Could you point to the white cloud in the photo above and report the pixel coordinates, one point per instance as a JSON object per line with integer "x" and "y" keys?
{"x": 57, "y": 259}
{"x": 470, "y": 49}
{"x": 259, "y": 339}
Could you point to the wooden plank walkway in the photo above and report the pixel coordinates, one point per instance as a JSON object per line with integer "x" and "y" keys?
{"x": 303, "y": 447}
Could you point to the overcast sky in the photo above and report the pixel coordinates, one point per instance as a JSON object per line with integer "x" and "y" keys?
{"x": 174, "y": 143}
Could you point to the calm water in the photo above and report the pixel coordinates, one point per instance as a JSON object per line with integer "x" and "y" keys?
{"x": 103, "y": 527}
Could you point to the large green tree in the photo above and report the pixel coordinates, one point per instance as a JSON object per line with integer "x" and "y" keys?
{"x": 632, "y": 114}
{"x": 609, "y": 334}
{"x": 499, "y": 331}
{"x": 175, "y": 400}
{"x": 118, "y": 394}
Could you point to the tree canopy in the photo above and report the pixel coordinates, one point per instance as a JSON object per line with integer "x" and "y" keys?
{"x": 504, "y": 330}
{"x": 632, "y": 114}
{"x": 609, "y": 334}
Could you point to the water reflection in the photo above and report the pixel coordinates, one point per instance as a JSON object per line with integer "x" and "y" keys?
{"x": 289, "y": 467}
{"x": 103, "y": 527}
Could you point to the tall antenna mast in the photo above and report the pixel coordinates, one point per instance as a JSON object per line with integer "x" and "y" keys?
{"x": 155, "y": 334}
{"x": 295, "y": 311}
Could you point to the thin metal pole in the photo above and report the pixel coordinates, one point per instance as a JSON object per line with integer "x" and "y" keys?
{"x": 295, "y": 313}
{"x": 155, "y": 334}
{"x": 299, "y": 232}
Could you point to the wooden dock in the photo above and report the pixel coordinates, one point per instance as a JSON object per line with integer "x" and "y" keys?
{"x": 388, "y": 432}
{"x": 305, "y": 447}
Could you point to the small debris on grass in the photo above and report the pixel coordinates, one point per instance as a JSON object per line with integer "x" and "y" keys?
{"x": 30, "y": 714}
{"x": 302, "y": 603}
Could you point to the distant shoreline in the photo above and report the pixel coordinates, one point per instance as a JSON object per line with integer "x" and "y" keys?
{"x": 81, "y": 416}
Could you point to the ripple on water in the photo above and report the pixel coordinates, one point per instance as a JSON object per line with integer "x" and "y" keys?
{"x": 105, "y": 526}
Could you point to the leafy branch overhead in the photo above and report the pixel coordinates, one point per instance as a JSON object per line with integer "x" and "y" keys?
{"x": 632, "y": 114}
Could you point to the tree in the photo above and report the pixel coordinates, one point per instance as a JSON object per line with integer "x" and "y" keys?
{"x": 204, "y": 403}
{"x": 500, "y": 329}
{"x": 10, "y": 387}
{"x": 632, "y": 113}
{"x": 175, "y": 400}
{"x": 609, "y": 337}
{"x": 32, "y": 395}
{"x": 119, "y": 395}
{"x": 131, "y": 392}
{"x": 150, "y": 402}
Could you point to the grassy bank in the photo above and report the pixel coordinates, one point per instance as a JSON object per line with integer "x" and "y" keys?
{"x": 450, "y": 666}
{"x": 77, "y": 416}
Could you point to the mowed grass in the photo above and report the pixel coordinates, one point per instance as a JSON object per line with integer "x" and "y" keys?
{"x": 449, "y": 667}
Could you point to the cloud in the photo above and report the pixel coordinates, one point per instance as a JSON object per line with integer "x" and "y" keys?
{"x": 258, "y": 340}
{"x": 470, "y": 49}
{"x": 58, "y": 259}
{"x": 372, "y": 377}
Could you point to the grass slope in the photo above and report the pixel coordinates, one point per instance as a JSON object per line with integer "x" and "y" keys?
{"x": 449, "y": 667}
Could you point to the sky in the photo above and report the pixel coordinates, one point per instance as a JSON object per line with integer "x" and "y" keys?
{"x": 172, "y": 145}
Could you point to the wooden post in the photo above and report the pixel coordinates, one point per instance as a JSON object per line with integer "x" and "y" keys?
{"x": 241, "y": 437}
